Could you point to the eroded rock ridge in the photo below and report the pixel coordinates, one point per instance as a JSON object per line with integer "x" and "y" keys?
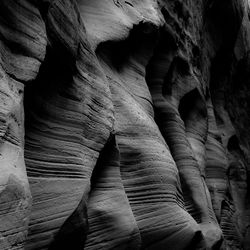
{"x": 124, "y": 124}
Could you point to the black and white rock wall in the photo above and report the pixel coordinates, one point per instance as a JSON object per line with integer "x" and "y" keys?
{"x": 124, "y": 124}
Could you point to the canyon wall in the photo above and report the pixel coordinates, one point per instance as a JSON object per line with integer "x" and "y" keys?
{"x": 124, "y": 124}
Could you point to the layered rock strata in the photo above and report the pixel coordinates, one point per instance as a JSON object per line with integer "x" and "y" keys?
{"x": 124, "y": 124}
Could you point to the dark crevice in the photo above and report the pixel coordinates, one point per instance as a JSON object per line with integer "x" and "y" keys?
{"x": 43, "y": 7}
{"x": 55, "y": 73}
{"x": 224, "y": 18}
{"x": 218, "y": 244}
{"x": 106, "y": 155}
{"x": 166, "y": 46}
{"x": 192, "y": 108}
{"x": 128, "y": 3}
{"x": 233, "y": 143}
{"x": 73, "y": 232}
{"x": 118, "y": 52}
{"x": 207, "y": 94}
{"x": 182, "y": 11}
{"x": 179, "y": 67}
{"x": 197, "y": 242}
{"x": 168, "y": 38}
{"x": 196, "y": 57}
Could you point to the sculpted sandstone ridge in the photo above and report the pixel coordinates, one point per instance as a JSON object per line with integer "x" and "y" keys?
{"x": 124, "y": 124}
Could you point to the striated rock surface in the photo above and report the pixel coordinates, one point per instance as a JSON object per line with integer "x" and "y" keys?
{"x": 124, "y": 124}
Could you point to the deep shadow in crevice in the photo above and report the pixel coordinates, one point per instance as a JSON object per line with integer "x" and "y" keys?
{"x": 73, "y": 232}
{"x": 117, "y": 53}
{"x": 233, "y": 143}
{"x": 55, "y": 77}
{"x": 107, "y": 155}
{"x": 192, "y": 108}
{"x": 179, "y": 67}
{"x": 223, "y": 19}
{"x": 164, "y": 51}
{"x": 197, "y": 242}
{"x": 128, "y": 3}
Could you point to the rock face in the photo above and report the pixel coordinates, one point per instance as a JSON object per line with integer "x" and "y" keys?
{"x": 124, "y": 124}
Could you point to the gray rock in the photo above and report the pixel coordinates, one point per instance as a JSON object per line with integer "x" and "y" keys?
{"x": 124, "y": 124}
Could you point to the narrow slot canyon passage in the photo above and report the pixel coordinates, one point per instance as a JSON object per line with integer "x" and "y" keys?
{"x": 124, "y": 125}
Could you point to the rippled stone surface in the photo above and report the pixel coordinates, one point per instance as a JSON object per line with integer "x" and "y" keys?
{"x": 124, "y": 124}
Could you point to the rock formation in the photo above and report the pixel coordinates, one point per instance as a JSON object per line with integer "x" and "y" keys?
{"x": 124, "y": 124}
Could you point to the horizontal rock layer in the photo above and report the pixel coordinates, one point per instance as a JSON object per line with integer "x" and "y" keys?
{"x": 124, "y": 124}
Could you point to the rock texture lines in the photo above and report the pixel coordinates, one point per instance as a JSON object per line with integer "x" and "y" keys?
{"x": 124, "y": 124}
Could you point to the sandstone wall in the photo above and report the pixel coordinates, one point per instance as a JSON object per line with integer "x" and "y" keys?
{"x": 124, "y": 124}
